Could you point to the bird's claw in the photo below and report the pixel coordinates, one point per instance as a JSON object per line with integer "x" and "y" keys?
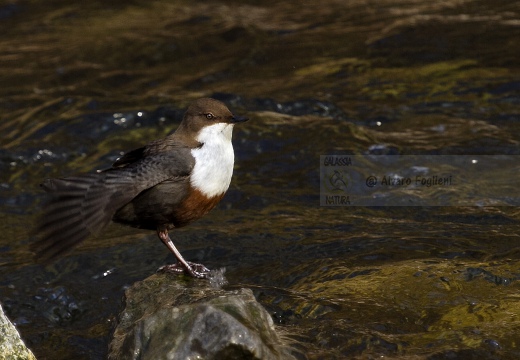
{"x": 196, "y": 270}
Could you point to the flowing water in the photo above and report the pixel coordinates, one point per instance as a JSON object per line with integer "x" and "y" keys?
{"x": 82, "y": 83}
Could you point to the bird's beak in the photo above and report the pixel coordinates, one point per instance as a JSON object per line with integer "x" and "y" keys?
{"x": 238, "y": 119}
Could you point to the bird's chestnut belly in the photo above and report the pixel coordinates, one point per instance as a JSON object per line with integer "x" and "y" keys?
{"x": 166, "y": 205}
{"x": 193, "y": 207}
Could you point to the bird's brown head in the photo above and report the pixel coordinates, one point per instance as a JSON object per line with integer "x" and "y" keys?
{"x": 206, "y": 112}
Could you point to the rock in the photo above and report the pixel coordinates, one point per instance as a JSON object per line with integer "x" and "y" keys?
{"x": 174, "y": 317}
{"x": 11, "y": 345}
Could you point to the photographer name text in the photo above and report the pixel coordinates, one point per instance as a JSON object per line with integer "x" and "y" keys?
{"x": 419, "y": 180}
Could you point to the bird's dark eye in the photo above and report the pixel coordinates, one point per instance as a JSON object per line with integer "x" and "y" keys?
{"x": 209, "y": 116}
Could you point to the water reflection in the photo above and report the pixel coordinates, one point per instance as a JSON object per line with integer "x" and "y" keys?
{"x": 83, "y": 83}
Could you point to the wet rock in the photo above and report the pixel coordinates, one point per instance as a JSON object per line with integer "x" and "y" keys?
{"x": 11, "y": 345}
{"x": 172, "y": 317}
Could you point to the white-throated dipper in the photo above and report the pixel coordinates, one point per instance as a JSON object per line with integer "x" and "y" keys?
{"x": 164, "y": 185}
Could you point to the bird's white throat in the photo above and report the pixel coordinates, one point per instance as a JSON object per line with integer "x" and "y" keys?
{"x": 213, "y": 160}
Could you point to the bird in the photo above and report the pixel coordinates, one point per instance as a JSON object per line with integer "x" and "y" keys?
{"x": 161, "y": 186}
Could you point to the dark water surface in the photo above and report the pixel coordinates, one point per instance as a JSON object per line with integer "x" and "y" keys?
{"x": 81, "y": 83}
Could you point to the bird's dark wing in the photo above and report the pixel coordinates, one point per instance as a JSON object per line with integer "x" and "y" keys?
{"x": 85, "y": 204}
{"x": 136, "y": 155}
{"x": 130, "y": 157}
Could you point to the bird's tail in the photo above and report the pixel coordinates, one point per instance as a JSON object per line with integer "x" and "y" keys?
{"x": 76, "y": 210}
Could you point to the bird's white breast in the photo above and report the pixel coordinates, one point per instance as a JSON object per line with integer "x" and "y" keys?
{"x": 213, "y": 160}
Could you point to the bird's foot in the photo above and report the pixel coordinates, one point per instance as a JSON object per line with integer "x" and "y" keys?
{"x": 198, "y": 271}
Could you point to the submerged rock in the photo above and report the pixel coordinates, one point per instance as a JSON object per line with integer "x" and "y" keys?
{"x": 172, "y": 317}
{"x": 11, "y": 345}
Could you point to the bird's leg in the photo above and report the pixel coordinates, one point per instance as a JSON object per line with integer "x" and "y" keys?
{"x": 194, "y": 269}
